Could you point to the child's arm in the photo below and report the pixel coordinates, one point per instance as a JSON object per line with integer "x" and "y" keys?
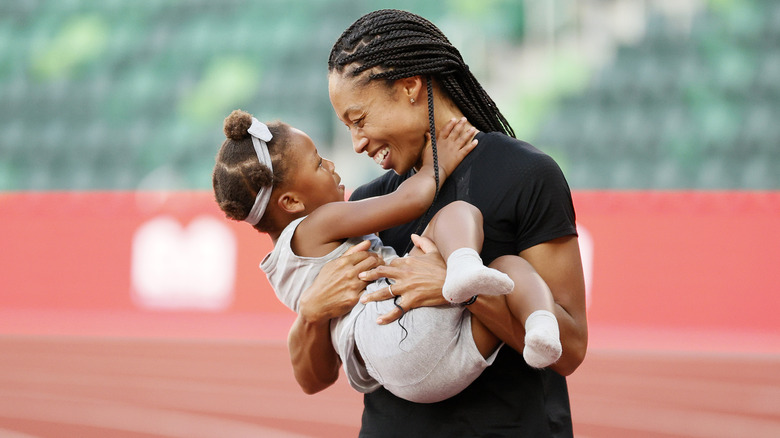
{"x": 339, "y": 220}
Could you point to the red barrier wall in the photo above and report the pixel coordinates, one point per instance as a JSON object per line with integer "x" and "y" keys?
{"x": 75, "y": 250}
{"x": 654, "y": 260}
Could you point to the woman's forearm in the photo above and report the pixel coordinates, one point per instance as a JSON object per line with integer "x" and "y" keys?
{"x": 552, "y": 267}
{"x": 574, "y": 340}
{"x": 314, "y": 361}
{"x": 492, "y": 311}
{"x": 558, "y": 262}
{"x": 334, "y": 293}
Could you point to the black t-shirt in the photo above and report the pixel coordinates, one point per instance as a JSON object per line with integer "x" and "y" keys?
{"x": 525, "y": 200}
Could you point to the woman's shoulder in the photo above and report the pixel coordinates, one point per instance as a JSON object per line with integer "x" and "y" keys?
{"x": 500, "y": 143}
{"x": 497, "y": 150}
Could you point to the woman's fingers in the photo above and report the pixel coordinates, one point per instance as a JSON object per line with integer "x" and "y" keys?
{"x": 362, "y": 259}
{"x": 425, "y": 244}
{"x": 378, "y": 272}
{"x": 379, "y": 295}
{"x": 394, "y": 314}
{"x": 362, "y": 246}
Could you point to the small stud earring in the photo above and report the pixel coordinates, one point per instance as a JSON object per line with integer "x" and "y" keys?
{"x": 411, "y": 100}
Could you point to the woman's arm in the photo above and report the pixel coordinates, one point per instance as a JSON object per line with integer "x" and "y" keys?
{"x": 334, "y": 293}
{"x": 315, "y": 362}
{"x": 419, "y": 280}
{"x": 558, "y": 263}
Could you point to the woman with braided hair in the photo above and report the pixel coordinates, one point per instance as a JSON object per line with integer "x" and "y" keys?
{"x": 394, "y": 79}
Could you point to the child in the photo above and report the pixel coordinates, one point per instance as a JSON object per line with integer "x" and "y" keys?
{"x": 273, "y": 178}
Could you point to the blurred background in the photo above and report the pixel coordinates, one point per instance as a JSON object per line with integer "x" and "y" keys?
{"x": 646, "y": 94}
{"x": 125, "y": 295}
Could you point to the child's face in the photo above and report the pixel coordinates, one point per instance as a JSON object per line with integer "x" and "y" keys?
{"x": 314, "y": 178}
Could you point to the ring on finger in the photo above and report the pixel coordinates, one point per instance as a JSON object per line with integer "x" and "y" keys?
{"x": 390, "y": 289}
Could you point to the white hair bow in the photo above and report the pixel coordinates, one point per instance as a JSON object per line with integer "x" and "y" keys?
{"x": 260, "y": 135}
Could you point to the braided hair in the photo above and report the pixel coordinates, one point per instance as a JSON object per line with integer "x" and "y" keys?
{"x": 394, "y": 44}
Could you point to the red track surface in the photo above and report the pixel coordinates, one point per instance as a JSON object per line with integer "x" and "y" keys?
{"x": 131, "y": 388}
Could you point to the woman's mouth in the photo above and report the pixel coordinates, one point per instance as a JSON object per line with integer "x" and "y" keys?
{"x": 380, "y": 156}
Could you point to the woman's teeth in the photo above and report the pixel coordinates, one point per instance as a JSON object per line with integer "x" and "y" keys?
{"x": 379, "y": 157}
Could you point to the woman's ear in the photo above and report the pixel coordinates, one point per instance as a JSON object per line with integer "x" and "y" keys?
{"x": 412, "y": 88}
{"x": 290, "y": 203}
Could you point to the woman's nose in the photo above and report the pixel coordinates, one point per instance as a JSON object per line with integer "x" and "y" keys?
{"x": 359, "y": 143}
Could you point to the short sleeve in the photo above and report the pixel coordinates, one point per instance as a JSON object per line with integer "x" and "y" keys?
{"x": 545, "y": 210}
{"x": 522, "y": 194}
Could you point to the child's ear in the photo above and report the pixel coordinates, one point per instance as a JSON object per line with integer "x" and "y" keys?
{"x": 289, "y": 202}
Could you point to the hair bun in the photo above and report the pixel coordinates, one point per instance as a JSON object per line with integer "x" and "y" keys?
{"x": 236, "y": 125}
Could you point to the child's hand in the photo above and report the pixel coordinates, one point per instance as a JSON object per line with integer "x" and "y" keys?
{"x": 454, "y": 142}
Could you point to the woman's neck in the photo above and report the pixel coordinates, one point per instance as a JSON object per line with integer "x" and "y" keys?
{"x": 444, "y": 110}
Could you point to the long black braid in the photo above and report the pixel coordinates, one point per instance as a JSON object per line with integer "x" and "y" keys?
{"x": 432, "y": 126}
{"x": 424, "y": 219}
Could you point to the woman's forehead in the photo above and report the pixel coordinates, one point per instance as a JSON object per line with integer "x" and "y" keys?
{"x": 348, "y": 90}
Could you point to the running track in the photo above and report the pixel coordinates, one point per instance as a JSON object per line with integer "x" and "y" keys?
{"x": 85, "y": 387}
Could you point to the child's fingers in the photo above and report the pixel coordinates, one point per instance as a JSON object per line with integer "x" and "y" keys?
{"x": 447, "y": 129}
{"x": 467, "y": 134}
{"x": 461, "y": 130}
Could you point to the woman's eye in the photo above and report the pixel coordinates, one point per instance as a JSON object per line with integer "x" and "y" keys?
{"x": 358, "y": 123}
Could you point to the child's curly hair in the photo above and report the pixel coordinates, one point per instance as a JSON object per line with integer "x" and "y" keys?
{"x": 238, "y": 174}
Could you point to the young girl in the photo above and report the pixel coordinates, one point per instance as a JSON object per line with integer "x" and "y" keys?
{"x": 273, "y": 178}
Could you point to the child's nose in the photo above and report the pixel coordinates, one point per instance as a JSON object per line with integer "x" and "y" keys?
{"x": 330, "y": 165}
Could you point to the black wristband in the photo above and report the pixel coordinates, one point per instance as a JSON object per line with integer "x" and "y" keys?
{"x": 470, "y": 301}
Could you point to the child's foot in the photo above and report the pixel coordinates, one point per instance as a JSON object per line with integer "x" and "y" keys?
{"x": 467, "y": 276}
{"x": 542, "y": 340}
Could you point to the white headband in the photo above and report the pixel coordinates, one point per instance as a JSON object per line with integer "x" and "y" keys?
{"x": 260, "y": 134}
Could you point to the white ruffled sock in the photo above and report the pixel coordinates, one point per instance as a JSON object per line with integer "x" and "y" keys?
{"x": 468, "y": 276}
{"x": 542, "y": 339}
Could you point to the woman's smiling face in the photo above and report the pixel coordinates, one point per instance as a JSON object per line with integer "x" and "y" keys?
{"x": 382, "y": 120}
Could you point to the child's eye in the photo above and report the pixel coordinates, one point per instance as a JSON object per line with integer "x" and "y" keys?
{"x": 320, "y": 163}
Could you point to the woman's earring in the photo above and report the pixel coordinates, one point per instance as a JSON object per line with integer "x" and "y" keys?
{"x": 411, "y": 100}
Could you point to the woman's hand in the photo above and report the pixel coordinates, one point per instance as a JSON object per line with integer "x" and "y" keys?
{"x": 334, "y": 293}
{"x": 418, "y": 280}
{"x": 337, "y": 287}
{"x": 453, "y": 143}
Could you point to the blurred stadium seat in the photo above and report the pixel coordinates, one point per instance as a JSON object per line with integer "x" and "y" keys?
{"x": 101, "y": 95}
{"x": 680, "y": 109}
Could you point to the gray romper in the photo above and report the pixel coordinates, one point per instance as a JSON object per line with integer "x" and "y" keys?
{"x": 428, "y": 357}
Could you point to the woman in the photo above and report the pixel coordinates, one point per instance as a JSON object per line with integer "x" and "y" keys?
{"x": 393, "y": 77}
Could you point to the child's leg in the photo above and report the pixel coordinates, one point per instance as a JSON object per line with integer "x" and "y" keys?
{"x": 531, "y": 303}
{"x": 457, "y": 231}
